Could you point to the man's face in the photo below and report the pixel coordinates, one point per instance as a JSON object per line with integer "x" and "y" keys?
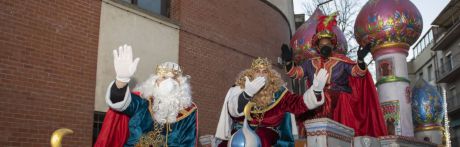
{"x": 325, "y": 47}
{"x": 324, "y": 42}
{"x": 261, "y": 72}
{"x": 165, "y": 86}
{"x": 162, "y": 78}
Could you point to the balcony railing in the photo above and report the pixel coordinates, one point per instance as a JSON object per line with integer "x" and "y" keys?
{"x": 423, "y": 43}
{"x": 448, "y": 68}
{"x": 447, "y": 33}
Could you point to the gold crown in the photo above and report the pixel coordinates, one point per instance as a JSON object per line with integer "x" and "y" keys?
{"x": 168, "y": 69}
{"x": 261, "y": 63}
{"x": 325, "y": 34}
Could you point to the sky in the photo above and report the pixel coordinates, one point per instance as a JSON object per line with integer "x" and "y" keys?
{"x": 428, "y": 8}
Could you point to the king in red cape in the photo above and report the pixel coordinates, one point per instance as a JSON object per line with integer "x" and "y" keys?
{"x": 351, "y": 96}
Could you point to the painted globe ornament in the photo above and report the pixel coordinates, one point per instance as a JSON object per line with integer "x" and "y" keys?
{"x": 301, "y": 41}
{"x": 390, "y": 25}
{"x": 244, "y": 137}
{"x": 427, "y": 110}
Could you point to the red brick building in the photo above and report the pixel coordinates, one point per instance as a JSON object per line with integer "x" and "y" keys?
{"x": 218, "y": 40}
{"x": 54, "y": 59}
{"x": 47, "y": 70}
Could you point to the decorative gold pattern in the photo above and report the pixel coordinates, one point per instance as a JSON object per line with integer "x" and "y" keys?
{"x": 186, "y": 113}
{"x": 392, "y": 78}
{"x": 296, "y": 72}
{"x": 390, "y": 45}
{"x": 331, "y": 134}
{"x": 261, "y": 63}
{"x": 328, "y": 66}
{"x": 247, "y": 110}
{"x": 430, "y": 128}
{"x": 404, "y": 138}
{"x": 325, "y": 34}
{"x": 272, "y": 105}
{"x": 153, "y": 138}
{"x": 163, "y": 70}
{"x": 356, "y": 71}
{"x": 259, "y": 112}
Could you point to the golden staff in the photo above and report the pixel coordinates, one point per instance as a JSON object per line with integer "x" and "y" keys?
{"x": 56, "y": 138}
{"x": 247, "y": 110}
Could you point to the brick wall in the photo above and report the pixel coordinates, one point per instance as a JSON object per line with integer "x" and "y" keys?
{"x": 218, "y": 40}
{"x": 48, "y": 52}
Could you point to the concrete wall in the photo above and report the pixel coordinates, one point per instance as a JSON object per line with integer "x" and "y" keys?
{"x": 453, "y": 49}
{"x": 420, "y": 65}
{"x": 287, "y": 8}
{"x": 153, "y": 39}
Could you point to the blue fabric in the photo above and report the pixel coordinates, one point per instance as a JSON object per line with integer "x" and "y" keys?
{"x": 183, "y": 132}
{"x": 285, "y": 129}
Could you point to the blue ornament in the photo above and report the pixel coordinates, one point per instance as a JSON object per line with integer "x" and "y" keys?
{"x": 427, "y": 105}
{"x": 245, "y": 137}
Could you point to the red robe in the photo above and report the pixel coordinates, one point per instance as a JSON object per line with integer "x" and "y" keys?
{"x": 114, "y": 131}
{"x": 359, "y": 109}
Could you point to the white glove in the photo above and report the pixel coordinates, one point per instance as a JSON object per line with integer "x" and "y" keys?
{"x": 310, "y": 100}
{"x": 124, "y": 64}
{"x": 320, "y": 80}
{"x": 252, "y": 87}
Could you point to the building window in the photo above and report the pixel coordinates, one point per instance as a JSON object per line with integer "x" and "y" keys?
{"x": 430, "y": 74}
{"x": 442, "y": 65}
{"x": 420, "y": 75}
{"x": 453, "y": 92}
{"x": 449, "y": 62}
{"x": 160, "y": 7}
{"x": 97, "y": 124}
{"x": 452, "y": 95}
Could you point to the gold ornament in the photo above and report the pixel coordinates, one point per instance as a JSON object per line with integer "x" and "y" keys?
{"x": 57, "y": 136}
{"x": 260, "y": 63}
{"x": 168, "y": 69}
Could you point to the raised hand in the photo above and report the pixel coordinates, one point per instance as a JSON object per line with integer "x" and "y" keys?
{"x": 124, "y": 64}
{"x": 362, "y": 52}
{"x": 286, "y": 53}
{"x": 252, "y": 87}
{"x": 320, "y": 80}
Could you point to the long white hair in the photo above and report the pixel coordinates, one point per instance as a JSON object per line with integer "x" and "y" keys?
{"x": 166, "y": 108}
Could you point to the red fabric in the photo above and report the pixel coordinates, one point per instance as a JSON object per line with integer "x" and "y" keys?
{"x": 290, "y": 102}
{"x": 361, "y": 110}
{"x": 114, "y": 131}
{"x": 326, "y": 23}
{"x": 343, "y": 58}
{"x": 330, "y": 103}
{"x": 268, "y": 137}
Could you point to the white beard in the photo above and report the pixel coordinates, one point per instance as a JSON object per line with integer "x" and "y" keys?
{"x": 167, "y": 104}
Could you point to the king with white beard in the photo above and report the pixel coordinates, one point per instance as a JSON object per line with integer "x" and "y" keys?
{"x": 160, "y": 110}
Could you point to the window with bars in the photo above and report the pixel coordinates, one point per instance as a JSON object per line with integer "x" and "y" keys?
{"x": 97, "y": 124}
